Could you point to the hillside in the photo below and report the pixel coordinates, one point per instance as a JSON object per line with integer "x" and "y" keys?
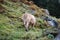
{"x": 12, "y": 28}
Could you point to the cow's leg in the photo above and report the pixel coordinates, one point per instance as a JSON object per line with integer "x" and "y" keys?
{"x": 26, "y": 25}
{"x": 24, "y": 22}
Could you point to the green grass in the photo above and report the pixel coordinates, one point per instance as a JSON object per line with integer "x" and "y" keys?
{"x": 13, "y": 28}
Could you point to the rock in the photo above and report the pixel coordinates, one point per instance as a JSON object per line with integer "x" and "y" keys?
{"x": 46, "y": 11}
{"x": 57, "y": 37}
{"x": 51, "y": 22}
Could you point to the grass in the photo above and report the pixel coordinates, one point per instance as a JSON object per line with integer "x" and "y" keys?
{"x": 13, "y": 28}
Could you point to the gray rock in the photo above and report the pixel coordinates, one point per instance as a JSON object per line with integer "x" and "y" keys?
{"x": 51, "y": 22}
{"x": 57, "y": 37}
{"x": 47, "y": 12}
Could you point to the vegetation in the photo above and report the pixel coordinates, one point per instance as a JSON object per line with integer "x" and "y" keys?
{"x": 12, "y": 28}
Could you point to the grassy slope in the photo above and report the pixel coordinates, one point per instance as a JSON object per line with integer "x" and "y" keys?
{"x": 13, "y": 29}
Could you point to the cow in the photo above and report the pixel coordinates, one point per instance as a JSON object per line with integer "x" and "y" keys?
{"x": 28, "y": 19}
